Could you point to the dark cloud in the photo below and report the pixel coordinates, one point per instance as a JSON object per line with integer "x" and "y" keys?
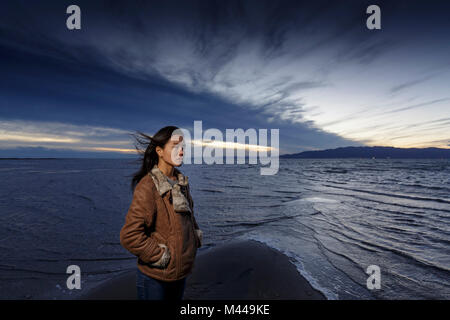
{"x": 142, "y": 64}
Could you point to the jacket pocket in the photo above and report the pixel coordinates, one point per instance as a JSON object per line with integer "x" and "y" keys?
{"x": 172, "y": 265}
{"x": 158, "y": 238}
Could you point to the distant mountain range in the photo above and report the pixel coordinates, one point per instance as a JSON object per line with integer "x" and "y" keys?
{"x": 374, "y": 152}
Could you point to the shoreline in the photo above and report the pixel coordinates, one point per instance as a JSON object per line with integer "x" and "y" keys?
{"x": 236, "y": 270}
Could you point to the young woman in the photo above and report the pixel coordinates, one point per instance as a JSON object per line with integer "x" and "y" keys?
{"x": 160, "y": 227}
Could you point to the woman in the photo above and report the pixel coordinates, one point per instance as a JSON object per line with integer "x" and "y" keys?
{"x": 160, "y": 227}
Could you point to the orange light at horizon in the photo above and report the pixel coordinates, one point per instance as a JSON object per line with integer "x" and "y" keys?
{"x": 26, "y": 138}
{"x": 231, "y": 145}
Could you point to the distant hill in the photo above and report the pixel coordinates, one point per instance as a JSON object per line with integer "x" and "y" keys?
{"x": 374, "y": 152}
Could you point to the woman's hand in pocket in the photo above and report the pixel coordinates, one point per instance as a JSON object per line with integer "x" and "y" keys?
{"x": 165, "y": 258}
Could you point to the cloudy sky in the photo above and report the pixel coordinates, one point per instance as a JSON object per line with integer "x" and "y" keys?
{"x": 311, "y": 69}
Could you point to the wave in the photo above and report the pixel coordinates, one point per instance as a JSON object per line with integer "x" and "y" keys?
{"x": 392, "y": 194}
{"x": 421, "y": 186}
{"x": 211, "y": 190}
{"x": 228, "y": 223}
{"x": 237, "y": 187}
{"x": 415, "y": 259}
{"x": 335, "y": 170}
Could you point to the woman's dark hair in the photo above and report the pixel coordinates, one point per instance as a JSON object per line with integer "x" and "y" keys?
{"x": 146, "y": 147}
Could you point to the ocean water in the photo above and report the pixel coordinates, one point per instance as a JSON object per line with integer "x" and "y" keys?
{"x": 332, "y": 217}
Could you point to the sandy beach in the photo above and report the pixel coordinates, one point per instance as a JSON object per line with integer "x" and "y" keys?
{"x": 236, "y": 270}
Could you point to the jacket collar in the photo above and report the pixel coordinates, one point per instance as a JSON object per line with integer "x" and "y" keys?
{"x": 160, "y": 179}
{"x": 179, "y": 198}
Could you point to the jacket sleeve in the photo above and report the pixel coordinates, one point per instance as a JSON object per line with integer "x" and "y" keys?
{"x": 140, "y": 214}
{"x": 192, "y": 206}
{"x": 195, "y": 224}
{"x": 196, "y": 227}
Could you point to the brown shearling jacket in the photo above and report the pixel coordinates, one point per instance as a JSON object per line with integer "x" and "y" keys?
{"x": 151, "y": 220}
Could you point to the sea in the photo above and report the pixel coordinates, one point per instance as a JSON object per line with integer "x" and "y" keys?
{"x": 337, "y": 220}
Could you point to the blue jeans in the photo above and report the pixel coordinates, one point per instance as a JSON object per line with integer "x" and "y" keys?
{"x": 149, "y": 288}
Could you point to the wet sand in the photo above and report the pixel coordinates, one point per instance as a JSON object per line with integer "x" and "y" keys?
{"x": 237, "y": 270}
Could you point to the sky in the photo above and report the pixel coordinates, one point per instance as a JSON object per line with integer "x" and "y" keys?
{"x": 311, "y": 69}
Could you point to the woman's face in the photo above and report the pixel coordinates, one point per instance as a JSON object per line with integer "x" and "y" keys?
{"x": 172, "y": 153}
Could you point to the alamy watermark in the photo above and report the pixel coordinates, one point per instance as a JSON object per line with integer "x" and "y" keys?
{"x": 74, "y": 280}
{"x": 374, "y": 279}
{"x": 210, "y": 147}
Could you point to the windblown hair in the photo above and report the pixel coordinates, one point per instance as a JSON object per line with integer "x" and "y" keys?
{"x": 146, "y": 148}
